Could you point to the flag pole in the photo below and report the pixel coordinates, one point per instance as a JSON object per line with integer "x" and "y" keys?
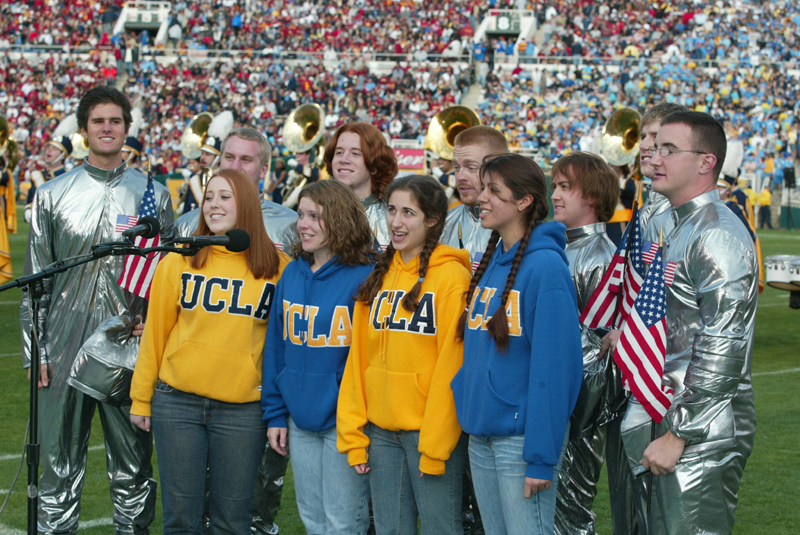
{"x": 627, "y": 254}
{"x": 652, "y": 421}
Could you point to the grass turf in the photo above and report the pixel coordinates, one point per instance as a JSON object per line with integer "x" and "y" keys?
{"x": 769, "y": 498}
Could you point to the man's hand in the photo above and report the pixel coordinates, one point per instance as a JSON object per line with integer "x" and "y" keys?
{"x": 277, "y": 439}
{"x": 138, "y": 329}
{"x": 609, "y": 342}
{"x": 533, "y": 485}
{"x": 44, "y": 378}
{"x": 663, "y": 454}
{"x": 142, "y": 422}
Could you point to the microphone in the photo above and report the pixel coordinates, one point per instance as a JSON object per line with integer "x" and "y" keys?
{"x": 235, "y": 240}
{"x": 147, "y": 227}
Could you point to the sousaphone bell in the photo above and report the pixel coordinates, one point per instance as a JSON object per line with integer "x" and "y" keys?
{"x": 302, "y": 132}
{"x": 621, "y": 135}
{"x": 444, "y": 128}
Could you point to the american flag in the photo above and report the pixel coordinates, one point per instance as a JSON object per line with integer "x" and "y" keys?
{"x": 600, "y": 309}
{"x": 642, "y": 347}
{"x": 476, "y": 262}
{"x": 634, "y": 272}
{"x": 139, "y": 270}
{"x": 669, "y": 273}
{"x": 124, "y": 222}
{"x": 649, "y": 250}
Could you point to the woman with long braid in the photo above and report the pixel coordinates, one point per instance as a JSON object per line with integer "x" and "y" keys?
{"x": 403, "y": 355}
{"x": 523, "y": 359}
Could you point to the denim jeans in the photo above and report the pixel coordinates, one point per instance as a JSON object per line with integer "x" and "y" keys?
{"x": 332, "y": 498}
{"x": 193, "y": 433}
{"x": 400, "y": 495}
{"x": 498, "y": 472}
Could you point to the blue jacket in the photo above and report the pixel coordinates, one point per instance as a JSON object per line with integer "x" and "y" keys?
{"x": 308, "y": 339}
{"x": 531, "y": 388}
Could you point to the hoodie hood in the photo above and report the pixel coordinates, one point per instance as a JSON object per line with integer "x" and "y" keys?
{"x": 328, "y": 269}
{"x": 551, "y": 235}
{"x": 440, "y": 256}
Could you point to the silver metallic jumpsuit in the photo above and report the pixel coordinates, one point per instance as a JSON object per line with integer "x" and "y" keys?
{"x": 655, "y": 215}
{"x": 69, "y": 215}
{"x": 279, "y": 221}
{"x": 711, "y": 310}
{"x": 474, "y": 238}
{"x": 375, "y": 207}
{"x": 589, "y": 252}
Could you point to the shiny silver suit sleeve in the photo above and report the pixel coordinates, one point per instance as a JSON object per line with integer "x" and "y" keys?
{"x": 69, "y": 215}
{"x": 376, "y": 216}
{"x": 589, "y": 252}
{"x": 711, "y": 306}
{"x": 280, "y": 222}
{"x": 474, "y": 238}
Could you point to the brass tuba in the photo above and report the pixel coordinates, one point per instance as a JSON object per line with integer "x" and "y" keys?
{"x": 445, "y": 126}
{"x": 302, "y": 132}
{"x": 195, "y": 135}
{"x": 80, "y": 147}
{"x": 619, "y": 144}
{"x": 8, "y": 145}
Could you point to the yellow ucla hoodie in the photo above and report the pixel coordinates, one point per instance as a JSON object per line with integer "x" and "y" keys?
{"x": 401, "y": 363}
{"x": 205, "y": 329}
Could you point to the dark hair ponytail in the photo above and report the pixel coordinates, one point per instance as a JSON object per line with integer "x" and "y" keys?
{"x": 523, "y": 177}
{"x": 476, "y": 277}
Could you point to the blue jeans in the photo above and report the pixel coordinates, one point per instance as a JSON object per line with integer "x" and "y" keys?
{"x": 498, "y": 472}
{"x": 399, "y": 495}
{"x": 332, "y": 498}
{"x": 193, "y": 433}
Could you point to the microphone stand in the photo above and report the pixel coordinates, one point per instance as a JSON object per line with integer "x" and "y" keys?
{"x": 34, "y": 285}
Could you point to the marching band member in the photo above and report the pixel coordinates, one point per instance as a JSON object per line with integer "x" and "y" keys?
{"x": 132, "y": 149}
{"x": 69, "y": 215}
{"x": 585, "y": 192}
{"x": 358, "y": 156}
{"x": 56, "y": 151}
{"x": 209, "y": 159}
{"x": 463, "y": 227}
{"x": 307, "y": 344}
{"x": 707, "y": 435}
{"x": 656, "y": 208}
{"x": 247, "y": 150}
{"x": 304, "y": 172}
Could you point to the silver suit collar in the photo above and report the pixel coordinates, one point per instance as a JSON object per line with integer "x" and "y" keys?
{"x": 682, "y": 212}
{"x": 584, "y": 231}
{"x": 106, "y": 175}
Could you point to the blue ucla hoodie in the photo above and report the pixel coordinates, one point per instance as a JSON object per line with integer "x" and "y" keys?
{"x": 532, "y": 387}
{"x": 308, "y": 339}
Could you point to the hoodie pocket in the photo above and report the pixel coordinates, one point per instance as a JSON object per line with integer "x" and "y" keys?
{"x": 395, "y": 400}
{"x": 310, "y": 398}
{"x": 481, "y": 410}
{"x": 229, "y": 376}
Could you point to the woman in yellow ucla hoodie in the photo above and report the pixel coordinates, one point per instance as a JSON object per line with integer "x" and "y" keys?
{"x": 403, "y": 355}
{"x": 199, "y": 368}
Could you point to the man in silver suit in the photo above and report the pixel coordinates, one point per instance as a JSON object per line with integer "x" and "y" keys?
{"x": 471, "y": 146}
{"x": 68, "y": 216}
{"x": 247, "y": 150}
{"x": 585, "y": 193}
{"x": 655, "y": 214}
{"x": 705, "y": 438}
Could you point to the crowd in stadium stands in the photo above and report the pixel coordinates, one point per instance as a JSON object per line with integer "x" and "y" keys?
{"x": 663, "y": 46}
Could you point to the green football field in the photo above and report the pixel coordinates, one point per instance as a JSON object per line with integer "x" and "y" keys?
{"x": 769, "y": 498}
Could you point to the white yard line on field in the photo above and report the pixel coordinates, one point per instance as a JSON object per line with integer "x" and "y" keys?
{"x": 777, "y": 372}
{"x": 5, "y": 530}
{"x": 12, "y": 456}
